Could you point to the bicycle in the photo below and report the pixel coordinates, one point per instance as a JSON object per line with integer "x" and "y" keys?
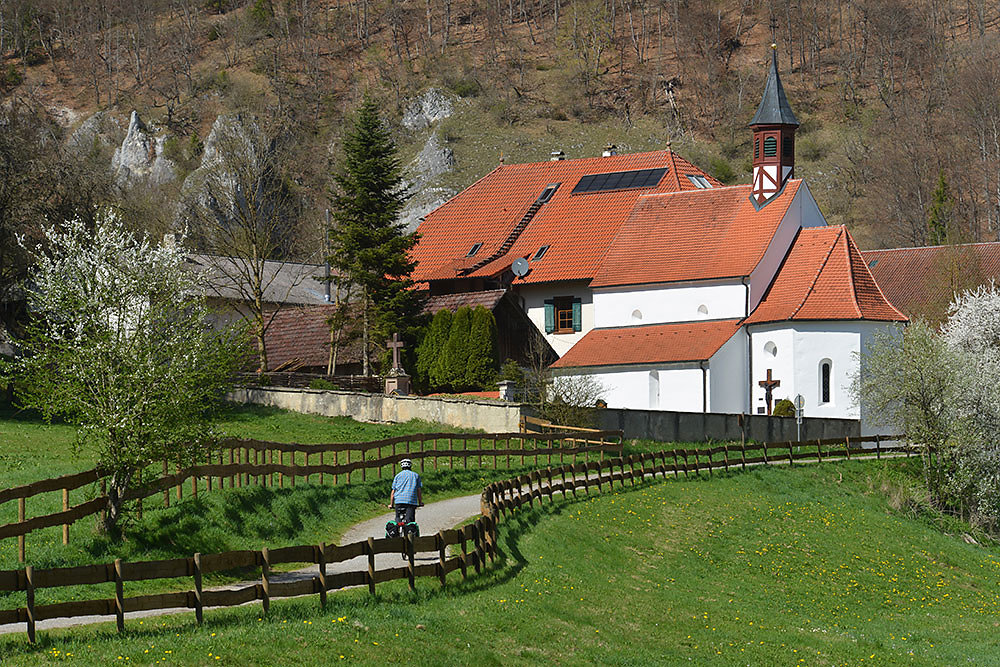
{"x": 399, "y": 527}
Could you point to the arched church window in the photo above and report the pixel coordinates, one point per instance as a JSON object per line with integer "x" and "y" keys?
{"x": 770, "y": 146}
{"x": 825, "y": 368}
{"x": 654, "y": 390}
{"x": 703, "y": 310}
{"x": 637, "y": 315}
{"x": 771, "y": 348}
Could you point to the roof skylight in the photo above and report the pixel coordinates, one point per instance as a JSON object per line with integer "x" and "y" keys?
{"x": 620, "y": 180}
{"x": 699, "y": 181}
{"x": 474, "y": 249}
{"x": 540, "y": 253}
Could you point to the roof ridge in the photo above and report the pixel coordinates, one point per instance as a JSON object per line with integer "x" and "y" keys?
{"x": 864, "y": 267}
{"x": 932, "y": 247}
{"x": 673, "y": 168}
{"x": 850, "y": 277}
{"x": 818, "y": 272}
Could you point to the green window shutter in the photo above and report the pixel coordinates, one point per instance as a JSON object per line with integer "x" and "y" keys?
{"x": 550, "y": 316}
{"x": 756, "y": 147}
{"x": 577, "y": 315}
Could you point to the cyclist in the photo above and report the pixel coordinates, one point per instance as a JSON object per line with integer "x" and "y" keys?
{"x": 407, "y": 493}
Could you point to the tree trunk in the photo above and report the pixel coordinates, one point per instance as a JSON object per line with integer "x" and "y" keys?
{"x": 117, "y": 487}
{"x": 366, "y": 371}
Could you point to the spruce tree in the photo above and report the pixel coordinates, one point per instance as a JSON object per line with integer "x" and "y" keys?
{"x": 431, "y": 348}
{"x": 369, "y": 247}
{"x": 452, "y": 363}
{"x": 482, "y": 358}
{"x": 939, "y": 217}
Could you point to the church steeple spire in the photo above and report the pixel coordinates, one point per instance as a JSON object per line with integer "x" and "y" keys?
{"x": 773, "y": 138}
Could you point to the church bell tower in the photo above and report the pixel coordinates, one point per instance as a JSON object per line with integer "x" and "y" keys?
{"x": 773, "y": 138}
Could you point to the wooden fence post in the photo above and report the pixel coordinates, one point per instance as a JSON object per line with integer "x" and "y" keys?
{"x": 878, "y": 448}
{"x": 119, "y": 596}
{"x": 477, "y": 537}
{"x": 321, "y": 560}
{"x": 408, "y": 539}
{"x": 791, "y": 456}
{"x": 725, "y": 454}
{"x": 29, "y": 589}
{"x": 199, "y": 610}
{"x": 265, "y": 579}
{"x": 847, "y": 447}
{"x": 321, "y": 464}
{"x": 194, "y": 485}
{"x": 370, "y": 548}
{"x": 465, "y": 554}
{"x": 766, "y": 462}
{"x": 819, "y": 450}
{"x": 743, "y": 455}
{"x": 21, "y": 510}
{"x": 65, "y": 530}
{"x": 439, "y": 543}
{"x": 676, "y": 472}
{"x": 180, "y": 490}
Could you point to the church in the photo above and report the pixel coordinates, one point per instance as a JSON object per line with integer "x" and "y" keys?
{"x": 672, "y": 290}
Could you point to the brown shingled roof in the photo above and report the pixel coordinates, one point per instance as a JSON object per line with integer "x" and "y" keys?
{"x": 301, "y": 337}
{"x": 922, "y": 281}
{"x": 487, "y": 299}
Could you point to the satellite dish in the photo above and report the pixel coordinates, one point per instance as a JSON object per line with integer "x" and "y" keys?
{"x": 520, "y": 267}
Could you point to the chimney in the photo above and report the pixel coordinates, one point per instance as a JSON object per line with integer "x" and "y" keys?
{"x": 555, "y": 156}
{"x": 610, "y": 150}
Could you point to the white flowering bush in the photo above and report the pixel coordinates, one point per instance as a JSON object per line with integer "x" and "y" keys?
{"x": 942, "y": 388}
{"x": 119, "y": 345}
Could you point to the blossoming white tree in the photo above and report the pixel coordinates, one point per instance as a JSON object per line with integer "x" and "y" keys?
{"x": 119, "y": 345}
{"x": 943, "y": 390}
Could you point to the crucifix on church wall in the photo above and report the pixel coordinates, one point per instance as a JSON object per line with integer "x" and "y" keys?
{"x": 769, "y": 384}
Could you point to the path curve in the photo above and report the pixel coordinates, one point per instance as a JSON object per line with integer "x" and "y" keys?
{"x": 432, "y": 518}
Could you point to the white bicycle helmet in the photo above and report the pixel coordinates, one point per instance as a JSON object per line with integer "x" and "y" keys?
{"x": 406, "y": 464}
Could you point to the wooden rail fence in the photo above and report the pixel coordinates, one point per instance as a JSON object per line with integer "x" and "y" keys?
{"x": 476, "y": 541}
{"x": 253, "y": 462}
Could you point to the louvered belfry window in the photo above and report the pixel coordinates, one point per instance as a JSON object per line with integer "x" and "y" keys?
{"x": 770, "y": 146}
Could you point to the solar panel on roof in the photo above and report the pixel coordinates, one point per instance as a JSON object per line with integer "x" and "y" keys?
{"x": 619, "y": 180}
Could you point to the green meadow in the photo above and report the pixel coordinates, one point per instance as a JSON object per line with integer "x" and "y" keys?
{"x": 811, "y": 565}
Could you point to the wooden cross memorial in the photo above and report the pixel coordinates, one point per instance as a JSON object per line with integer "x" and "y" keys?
{"x": 769, "y": 384}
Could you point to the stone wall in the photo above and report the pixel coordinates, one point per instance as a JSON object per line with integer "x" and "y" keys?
{"x": 463, "y": 413}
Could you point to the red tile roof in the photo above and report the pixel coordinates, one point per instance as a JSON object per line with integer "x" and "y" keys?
{"x": 922, "y": 282}
{"x": 577, "y": 227}
{"x": 649, "y": 344}
{"x": 824, "y": 277}
{"x": 713, "y": 233}
{"x": 301, "y": 337}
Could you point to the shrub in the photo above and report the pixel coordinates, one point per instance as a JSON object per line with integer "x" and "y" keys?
{"x": 481, "y": 354}
{"x": 784, "y": 408}
{"x": 322, "y": 383}
{"x": 510, "y": 371}
{"x": 722, "y": 170}
{"x": 466, "y": 86}
{"x": 453, "y": 361}
{"x": 430, "y": 353}
{"x": 10, "y": 77}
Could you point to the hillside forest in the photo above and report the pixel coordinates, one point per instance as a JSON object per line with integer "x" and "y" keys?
{"x": 899, "y": 101}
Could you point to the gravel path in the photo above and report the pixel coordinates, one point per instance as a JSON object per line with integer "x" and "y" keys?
{"x": 433, "y": 517}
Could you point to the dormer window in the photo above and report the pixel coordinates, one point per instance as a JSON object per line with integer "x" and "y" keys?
{"x": 540, "y": 253}
{"x": 474, "y": 249}
{"x": 699, "y": 181}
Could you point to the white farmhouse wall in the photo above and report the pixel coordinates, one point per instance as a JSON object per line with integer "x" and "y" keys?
{"x": 534, "y": 303}
{"x": 727, "y": 373}
{"x": 679, "y": 387}
{"x": 707, "y": 300}
{"x": 802, "y": 212}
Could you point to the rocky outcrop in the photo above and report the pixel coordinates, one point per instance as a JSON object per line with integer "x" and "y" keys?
{"x": 141, "y": 156}
{"x": 430, "y": 107}
{"x": 433, "y": 161}
{"x": 101, "y": 130}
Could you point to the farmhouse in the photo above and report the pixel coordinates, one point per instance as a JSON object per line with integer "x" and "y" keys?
{"x": 674, "y": 291}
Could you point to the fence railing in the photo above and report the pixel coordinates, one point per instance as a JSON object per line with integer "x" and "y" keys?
{"x": 477, "y": 540}
{"x": 253, "y": 462}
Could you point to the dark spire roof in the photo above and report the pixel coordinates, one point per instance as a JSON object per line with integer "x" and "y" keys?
{"x": 774, "y": 108}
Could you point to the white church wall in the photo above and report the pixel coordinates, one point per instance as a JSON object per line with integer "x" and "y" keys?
{"x": 802, "y": 212}
{"x": 677, "y": 387}
{"x": 727, "y": 372}
{"x": 534, "y": 304}
{"x": 707, "y": 300}
{"x": 771, "y": 348}
{"x": 801, "y": 349}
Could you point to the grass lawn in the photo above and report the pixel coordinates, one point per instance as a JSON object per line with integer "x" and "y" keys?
{"x": 808, "y": 565}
